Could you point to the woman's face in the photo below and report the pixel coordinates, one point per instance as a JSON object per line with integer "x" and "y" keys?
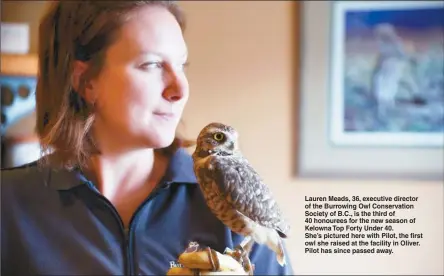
{"x": 142, "y": 89}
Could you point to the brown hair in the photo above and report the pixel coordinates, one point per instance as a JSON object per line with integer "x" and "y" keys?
{"x": 70, "y": 31}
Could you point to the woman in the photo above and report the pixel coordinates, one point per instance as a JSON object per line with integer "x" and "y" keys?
{"x": 115, "y": 193}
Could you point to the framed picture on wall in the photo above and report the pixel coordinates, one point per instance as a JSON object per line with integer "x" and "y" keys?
{"x": 387, "y": 73}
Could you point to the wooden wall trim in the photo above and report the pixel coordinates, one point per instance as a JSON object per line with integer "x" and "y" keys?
{"x": 19, "y": 65}
{"x": 296, "y": 73}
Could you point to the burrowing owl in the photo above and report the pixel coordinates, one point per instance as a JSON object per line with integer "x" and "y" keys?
{"x": 235, "y": 192}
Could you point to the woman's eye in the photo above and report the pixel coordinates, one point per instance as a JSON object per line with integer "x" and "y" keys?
{"x": 152, "y": 65}
{"x": 160, "y": 65}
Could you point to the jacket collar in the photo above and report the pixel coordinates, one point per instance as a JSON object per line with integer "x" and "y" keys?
{"x": 180, "y": 170}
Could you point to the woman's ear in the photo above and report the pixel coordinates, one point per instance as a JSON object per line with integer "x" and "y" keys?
{"x": 80, "y": 83}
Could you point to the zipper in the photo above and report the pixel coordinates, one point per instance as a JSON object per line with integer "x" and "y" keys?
{"x": 133, "y": 221}
{"x": 128, "y": 267}
{"x": 127, "y": 233}
{"x": 123, "y": 231}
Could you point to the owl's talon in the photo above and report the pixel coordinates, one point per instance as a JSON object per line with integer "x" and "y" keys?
{"x": 238, "y": 252}
{"x": 242, "y": 256}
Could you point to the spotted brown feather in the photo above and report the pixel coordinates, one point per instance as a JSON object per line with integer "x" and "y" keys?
{"x": 245, "y": 190}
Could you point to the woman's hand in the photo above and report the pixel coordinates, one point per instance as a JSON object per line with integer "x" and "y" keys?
{"x": 207, "y": 261}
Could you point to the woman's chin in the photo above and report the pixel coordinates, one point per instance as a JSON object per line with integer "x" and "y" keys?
{"x": 161, "y": 141}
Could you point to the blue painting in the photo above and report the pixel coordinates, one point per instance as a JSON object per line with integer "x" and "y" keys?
{"x": 388, "y": 73}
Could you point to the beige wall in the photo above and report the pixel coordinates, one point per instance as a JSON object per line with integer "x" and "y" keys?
{"x": 243, "y": 71}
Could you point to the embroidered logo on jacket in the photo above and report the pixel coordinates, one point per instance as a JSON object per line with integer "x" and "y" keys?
{"x": 192, "y": 247}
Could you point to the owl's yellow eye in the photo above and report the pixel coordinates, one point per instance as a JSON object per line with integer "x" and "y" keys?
{"x": 218, "y": 136}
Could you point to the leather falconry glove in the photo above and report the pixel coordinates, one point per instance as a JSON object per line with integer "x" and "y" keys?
{"x": 197, "y": 260}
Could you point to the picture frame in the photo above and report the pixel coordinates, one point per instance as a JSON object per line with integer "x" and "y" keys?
{"x": 386, "y": 83}
{"x": 318, "y": 157}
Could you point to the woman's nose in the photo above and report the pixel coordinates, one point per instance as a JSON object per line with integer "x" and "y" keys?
{"x": 176, "y": 87}
{"x": 172, "y": 94}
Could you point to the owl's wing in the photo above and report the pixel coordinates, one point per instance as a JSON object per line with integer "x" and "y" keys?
{"x": 244, "y": 189}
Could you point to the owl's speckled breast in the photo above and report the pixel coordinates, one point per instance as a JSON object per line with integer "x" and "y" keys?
{"x": 217, "y": 204}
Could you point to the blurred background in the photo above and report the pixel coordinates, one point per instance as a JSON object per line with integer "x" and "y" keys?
{"x": 263, "y": 67}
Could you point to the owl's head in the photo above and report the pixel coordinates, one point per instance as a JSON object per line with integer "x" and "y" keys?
{"x": 217, "y": 138}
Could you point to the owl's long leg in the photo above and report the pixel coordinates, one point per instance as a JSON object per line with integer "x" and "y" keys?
{"x": 244, "y": 246}
{"x": 244, "y": 242}
{"x": 247, "y": 241}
